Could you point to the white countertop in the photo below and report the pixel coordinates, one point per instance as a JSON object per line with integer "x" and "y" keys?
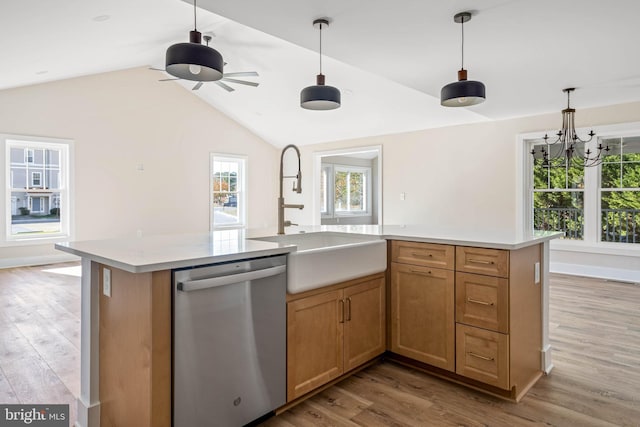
{"x": 162, "y": 252}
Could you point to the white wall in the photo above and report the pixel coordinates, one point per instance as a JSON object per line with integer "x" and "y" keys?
{"x": 121, "y": 119}
{"x": 461, "y": 176}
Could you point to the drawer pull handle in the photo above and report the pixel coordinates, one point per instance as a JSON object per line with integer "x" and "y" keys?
{"x": 424, "y": 273}
{"x": 479, "y": 356}
{"x": 476, "y": 301}
{"x": 480, "y": 261}
{"x": 421, "y": 255}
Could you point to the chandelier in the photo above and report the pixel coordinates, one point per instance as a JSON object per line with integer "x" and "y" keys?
{"x": 569, "y": 149}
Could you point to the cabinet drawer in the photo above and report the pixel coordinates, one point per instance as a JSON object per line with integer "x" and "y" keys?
{"x": 491, "y": 262}
{"x": 426, "y": 254}
{"x": 482, "y": 301}
{"x": 482, "y": 355}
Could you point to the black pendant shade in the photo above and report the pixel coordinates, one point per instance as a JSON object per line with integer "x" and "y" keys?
{"x": 463, "y": 92}
{"x": 320, "y": 96}
{"x": 194, "y": 61}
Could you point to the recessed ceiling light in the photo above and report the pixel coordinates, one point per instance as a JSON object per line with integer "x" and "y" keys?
{"x": 42, "y": 72}
{"x": 101, "y": 18}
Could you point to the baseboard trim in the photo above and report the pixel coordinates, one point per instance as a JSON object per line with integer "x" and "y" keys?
{"x": 88, "y": 415}
{"x": 545, "y": 357}
{"x": 36, "y": 260}
{"x": 618, "y": 274}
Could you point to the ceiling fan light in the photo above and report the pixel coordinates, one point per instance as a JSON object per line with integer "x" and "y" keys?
{"x": 182, "y": 59}
{"x": 320, "y": 97}
{"x": 462, "y": 94}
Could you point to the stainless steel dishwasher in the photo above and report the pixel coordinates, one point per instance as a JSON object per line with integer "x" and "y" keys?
{"x": 229, "y": 342}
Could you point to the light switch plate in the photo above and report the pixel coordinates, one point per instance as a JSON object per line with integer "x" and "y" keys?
{"x": 536, "y": 272}
{"x": 106, "y": 282}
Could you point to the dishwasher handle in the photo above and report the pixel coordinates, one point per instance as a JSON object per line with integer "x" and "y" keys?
{"x": 212, "y": 282}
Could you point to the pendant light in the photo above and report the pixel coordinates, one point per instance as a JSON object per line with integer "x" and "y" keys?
{"x": 320, "y": 96}
{"x": 463, "y": 92}
{"x": 194, "y": 61}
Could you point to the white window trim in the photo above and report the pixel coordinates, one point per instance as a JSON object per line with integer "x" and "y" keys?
{"x": 242, "y": 190}
{"x": 524, "y": 203}
{"x": 66, "y": 162}
{"x": 329, "y": 193}
{"x": 29, "y": 153}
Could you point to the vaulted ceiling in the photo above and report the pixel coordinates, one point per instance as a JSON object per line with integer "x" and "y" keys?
{"x": 389, "y": 59}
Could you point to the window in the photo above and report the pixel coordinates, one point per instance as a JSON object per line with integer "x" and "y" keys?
{"x": 36, "y": 179}
{"x": 596, "y": 205}
{"x": 345, "y": 191}
{"x": 228, "y": 195}
{"x": 350, "y": 190}
{"x": 37, "y": 185}
{"x": 620, "y": 191}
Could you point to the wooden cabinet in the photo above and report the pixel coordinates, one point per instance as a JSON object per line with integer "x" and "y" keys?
{"x": 469, "y": 310}
{"x": 332, "y": 331}
{"x": 422, "y": 308}
{"x": 498, "y": 314}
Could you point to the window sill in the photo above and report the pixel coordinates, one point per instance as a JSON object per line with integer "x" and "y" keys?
{"x": 35, "y": 241}
{"x": 605, "y": 248}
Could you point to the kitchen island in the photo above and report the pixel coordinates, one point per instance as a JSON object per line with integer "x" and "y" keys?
{"x": 142, "y": 320}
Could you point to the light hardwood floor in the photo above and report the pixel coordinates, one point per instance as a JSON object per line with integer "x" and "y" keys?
{"x": 40, "y": 336}
{"x": 595, "y": 334}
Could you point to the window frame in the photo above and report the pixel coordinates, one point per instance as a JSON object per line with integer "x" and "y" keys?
{"x": 331, "y": 185}
{"x": 65, "y": 189}
{"x": 592, "y": 189}
{"x": 241, "y": 190}
{"x": 33, "y": 179}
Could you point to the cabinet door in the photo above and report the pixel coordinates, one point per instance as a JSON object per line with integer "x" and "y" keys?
{"x": 314, "y": 342}
{"x": 422, "y": 310}
{"x": 364, "y": 327}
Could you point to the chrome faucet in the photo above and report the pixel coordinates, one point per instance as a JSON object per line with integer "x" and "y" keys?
{"x": 297, "y": 187}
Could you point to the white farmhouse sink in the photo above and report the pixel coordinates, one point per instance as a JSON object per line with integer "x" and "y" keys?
{"x": 326, "y": 258}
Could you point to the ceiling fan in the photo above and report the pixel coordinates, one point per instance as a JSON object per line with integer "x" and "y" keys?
{"x": 226, "y": 77}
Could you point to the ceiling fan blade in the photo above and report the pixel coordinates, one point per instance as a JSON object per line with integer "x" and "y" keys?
{"x": 224, "y": 86}
{"x": 242, "y": 74}
{"x": 166, "y": 80}
{"x": 197, "y": 86}
{"x": 242, "y": 82}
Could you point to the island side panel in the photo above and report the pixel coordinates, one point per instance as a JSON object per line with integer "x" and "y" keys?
{"x": 525, "y": 323}
{"x": 135, "y": 349}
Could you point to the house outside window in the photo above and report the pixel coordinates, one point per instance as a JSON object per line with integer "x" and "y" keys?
{"x": 593, "y": 206}
{"x": 37, "y": 190}
{"x": 228, "y": 193}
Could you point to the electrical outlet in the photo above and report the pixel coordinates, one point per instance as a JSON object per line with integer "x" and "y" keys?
{"x": 403, "y": 195}
{"x": 106, "y": 282}
{"x": 536, "y": 272}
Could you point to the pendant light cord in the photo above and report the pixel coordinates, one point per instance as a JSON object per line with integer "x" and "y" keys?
{"x": 195, "y": 25}
{"x": 320, "y": 48}
{"x": 462, "y": 44}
